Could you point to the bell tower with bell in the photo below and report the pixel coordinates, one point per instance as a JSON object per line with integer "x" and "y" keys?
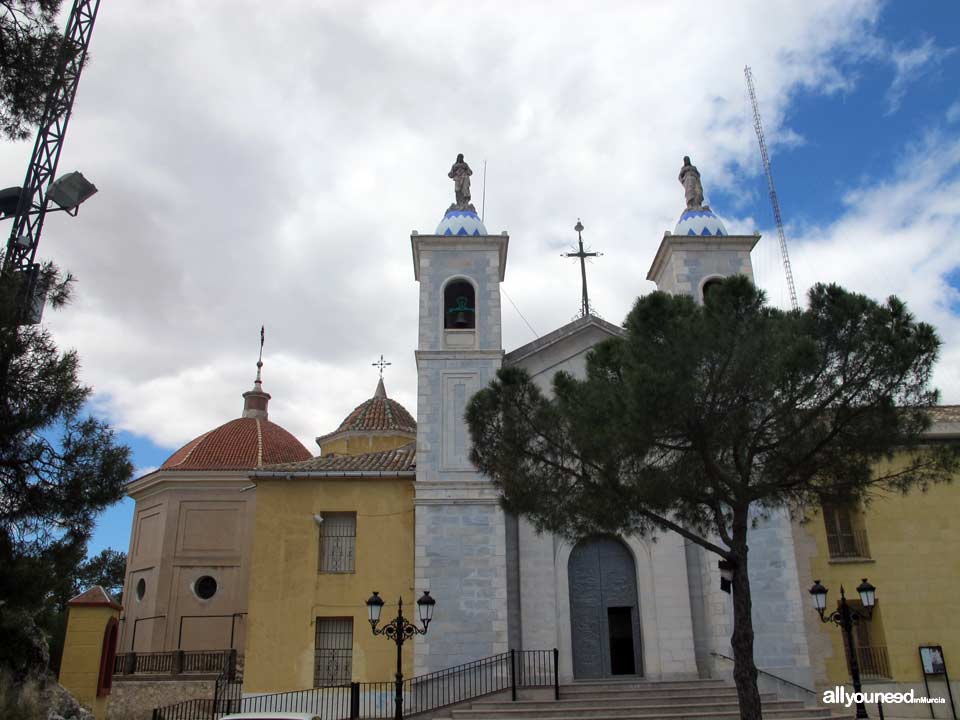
{"x": 460, "y": 535}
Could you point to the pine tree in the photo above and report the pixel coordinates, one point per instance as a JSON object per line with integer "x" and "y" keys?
{"x": 59, "y": 468}
{"x": 704, "y": 417}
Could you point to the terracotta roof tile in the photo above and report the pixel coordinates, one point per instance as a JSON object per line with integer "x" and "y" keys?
{"x": 94, "y": 596}
{"x": 240, "y": 444}
{"x": 402, "y": 459}
{"x": 378, "y": 413}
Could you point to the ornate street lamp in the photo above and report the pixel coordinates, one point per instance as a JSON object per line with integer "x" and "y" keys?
{"x": 398, "y": 630}
{"x": 846, "y": 617}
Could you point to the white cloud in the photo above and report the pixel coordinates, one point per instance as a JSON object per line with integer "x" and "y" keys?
{"x": 266, "y": 167}
{"x": 953, "y": 112}
{"x": 911, "y": 64}
{"x": 897, "y": 237}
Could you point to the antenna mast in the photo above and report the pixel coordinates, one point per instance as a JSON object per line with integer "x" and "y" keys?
{"x": 773, "y": 191}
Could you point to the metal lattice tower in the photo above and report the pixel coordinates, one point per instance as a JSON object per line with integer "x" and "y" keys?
{"x": 32, "y": 208}
{"x": 757, "y": 125}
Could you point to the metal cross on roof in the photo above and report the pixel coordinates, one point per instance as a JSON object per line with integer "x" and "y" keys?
{"x": 260, "y": 357}
{"x": 381, "y": 364}
{"x": 585, "y": 302}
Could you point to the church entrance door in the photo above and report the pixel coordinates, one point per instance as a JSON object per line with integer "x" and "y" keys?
{"x": 604, "y": 611}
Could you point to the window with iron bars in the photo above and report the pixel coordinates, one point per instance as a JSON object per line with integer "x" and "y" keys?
{"x": 333, "y": 657}
{"x": 338, "y": 541}
{"x": 845, "y": 540}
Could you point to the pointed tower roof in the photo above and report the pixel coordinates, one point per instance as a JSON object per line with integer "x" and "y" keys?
{"x": 379, "y": 413}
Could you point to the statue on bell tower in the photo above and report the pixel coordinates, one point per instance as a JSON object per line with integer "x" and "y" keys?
{"x": 460, "y": 174}
{"x": 690, "y": 179}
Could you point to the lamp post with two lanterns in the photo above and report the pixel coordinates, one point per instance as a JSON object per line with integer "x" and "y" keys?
{"x": 846, "y": 617}
{"x": 398, "y": 630}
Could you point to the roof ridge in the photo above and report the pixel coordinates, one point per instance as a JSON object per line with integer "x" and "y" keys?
{"x": 259, "y": 443}
{"x": 195, "y": 443}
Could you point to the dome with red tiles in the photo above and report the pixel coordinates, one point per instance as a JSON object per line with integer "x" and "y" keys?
{"x": 241, "y": 444}
{"x": 379, "y": 413}
{"x": 250, "y": 441}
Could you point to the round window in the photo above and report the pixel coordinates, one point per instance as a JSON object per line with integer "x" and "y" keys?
{"x": 205, "y": 587}
{"x": 141, "y": 588}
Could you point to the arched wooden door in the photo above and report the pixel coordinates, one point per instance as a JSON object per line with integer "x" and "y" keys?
{"x": 604, "y": 610}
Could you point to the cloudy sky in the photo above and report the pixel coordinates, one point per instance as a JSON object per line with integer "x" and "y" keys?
{"x": 264, "y": 163}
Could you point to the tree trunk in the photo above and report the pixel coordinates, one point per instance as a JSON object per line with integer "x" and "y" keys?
{"x": 744, "y": 670}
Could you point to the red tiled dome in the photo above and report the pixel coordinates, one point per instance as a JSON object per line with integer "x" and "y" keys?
{"x": 240, "y": 444}
{"x": 378, "y": 413}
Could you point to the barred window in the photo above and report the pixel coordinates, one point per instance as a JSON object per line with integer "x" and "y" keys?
{"x": 338, "y": 540}
{"x": 333, "y": 659}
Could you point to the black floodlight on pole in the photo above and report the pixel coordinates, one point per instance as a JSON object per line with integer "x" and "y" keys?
{"x": 845, "y": 617}
{"x": 19, "y": 261}
{"x": 400, "y": 629}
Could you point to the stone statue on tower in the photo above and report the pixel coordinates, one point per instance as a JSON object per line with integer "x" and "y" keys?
{"x": 460, "y": 174}
{"x": 690, "y": 179}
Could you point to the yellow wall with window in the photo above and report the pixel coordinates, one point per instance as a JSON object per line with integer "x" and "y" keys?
{"x": 913, "y": 543}
{"x": 288, "y": 592}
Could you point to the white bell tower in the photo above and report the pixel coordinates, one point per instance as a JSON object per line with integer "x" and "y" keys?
{"x": 460, "y": 551}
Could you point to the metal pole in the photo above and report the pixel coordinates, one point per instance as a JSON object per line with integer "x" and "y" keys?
{"x": 556, "y": 674}
{"x": 513, "y": 674}
{"x": 398, "y": 700}
{"x": 583, "y": 276}
{"x": 846, "y": 622}
{"x": 946, "y": 677}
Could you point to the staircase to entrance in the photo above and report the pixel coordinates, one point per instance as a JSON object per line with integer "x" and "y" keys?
{"x": 633, "y": 700}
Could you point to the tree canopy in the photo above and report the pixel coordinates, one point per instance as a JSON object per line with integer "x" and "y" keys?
{"x": 59, "y": 468}
{"x": 31, "y": 50}
{"x": 703, "y": 415}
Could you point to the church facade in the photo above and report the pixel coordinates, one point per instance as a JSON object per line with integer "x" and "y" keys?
{"x": 242, "y": 539}
{"x": 612, "y": 606}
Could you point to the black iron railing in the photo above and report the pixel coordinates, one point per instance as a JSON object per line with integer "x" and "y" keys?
{"x": 374, "y": 701}
{"x": 175, "y": 662}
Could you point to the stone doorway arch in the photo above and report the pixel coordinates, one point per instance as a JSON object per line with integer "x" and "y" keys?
{"x": 604, "y": 609}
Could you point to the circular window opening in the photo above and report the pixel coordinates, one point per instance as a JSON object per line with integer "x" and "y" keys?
{"x": 141, "y": 589}
{"x": 205, "y": 587}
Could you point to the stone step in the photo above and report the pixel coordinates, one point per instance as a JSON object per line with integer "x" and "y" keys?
{"x": 725, "y": 697}
{"x": 563, "y": 710}
{"x": 675, "y": 713}
{"x": 628, "y": 681}
{"x": 639, "y": 693}
{"x": 647, "y": 692}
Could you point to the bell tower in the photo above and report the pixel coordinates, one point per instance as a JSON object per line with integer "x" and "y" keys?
{"x": 460, "y": 537}
{"x": 699, "y": 250}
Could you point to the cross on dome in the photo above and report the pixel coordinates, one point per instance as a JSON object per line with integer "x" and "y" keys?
{"x": 381, "y": 363}
{"x": 255, "y": 400}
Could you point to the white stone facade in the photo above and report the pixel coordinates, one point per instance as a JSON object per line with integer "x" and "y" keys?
{"x": 498, "y": 583}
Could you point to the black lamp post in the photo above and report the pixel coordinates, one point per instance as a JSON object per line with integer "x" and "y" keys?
{"x": 398, "y": 630}
{"x": 846, "y": 617}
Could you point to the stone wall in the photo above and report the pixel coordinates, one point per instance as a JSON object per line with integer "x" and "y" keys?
{"x": 136, "y": 699}
{"x": 461, "y": 559}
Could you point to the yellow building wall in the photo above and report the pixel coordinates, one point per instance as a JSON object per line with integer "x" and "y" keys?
{"x": 914, "y": 543}
{"x": 365, "y": 443}
{"x": 287, "y": 593}
{"x": 80, "y": 665}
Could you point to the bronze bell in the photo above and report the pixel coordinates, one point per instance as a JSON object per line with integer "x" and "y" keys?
{"x": 460, "y": 321}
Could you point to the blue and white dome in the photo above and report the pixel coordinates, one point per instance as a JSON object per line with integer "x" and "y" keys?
{"x": 699, "y": 222}
{"x": 461, "y": 222}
